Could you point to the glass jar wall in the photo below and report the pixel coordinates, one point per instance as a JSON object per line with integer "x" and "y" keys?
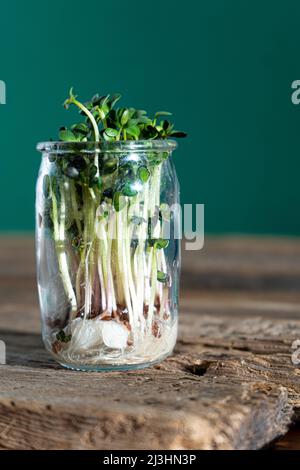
{"x": 108, "y": 252}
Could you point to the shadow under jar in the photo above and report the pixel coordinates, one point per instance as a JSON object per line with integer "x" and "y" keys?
{"x": 108, "y": 252}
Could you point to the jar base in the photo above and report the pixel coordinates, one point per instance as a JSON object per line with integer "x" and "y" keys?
{"x": 113, "y": 367}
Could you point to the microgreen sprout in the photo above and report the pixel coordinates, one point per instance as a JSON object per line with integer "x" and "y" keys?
{"x": 112, "y": 124}
{"x": 106, "y": 219}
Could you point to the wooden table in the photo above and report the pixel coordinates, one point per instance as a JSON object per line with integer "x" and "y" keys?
{"x": 231, "y": 383}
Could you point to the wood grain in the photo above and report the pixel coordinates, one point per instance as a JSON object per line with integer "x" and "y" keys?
{"x": 230, "y": 384}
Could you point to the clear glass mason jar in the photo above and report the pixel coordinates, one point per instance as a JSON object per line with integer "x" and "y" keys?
{"x": 108, "y": 252}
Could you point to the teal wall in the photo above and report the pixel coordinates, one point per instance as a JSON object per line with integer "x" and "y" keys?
{"x": 224, "y": 67}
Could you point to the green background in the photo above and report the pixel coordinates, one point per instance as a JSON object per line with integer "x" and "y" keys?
{"x": 223, "y": 67}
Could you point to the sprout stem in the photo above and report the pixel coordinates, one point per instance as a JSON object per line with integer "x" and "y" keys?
{"x": 59, "y": 238}
{"x": 89, "y": 115}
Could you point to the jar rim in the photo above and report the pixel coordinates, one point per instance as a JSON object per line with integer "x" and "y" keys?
{"x": 119, "y": 146}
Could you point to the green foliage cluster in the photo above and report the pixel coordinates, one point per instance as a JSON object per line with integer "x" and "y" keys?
{"x": 81, "y": 179}
{"x": 111, "y": 176}
{"x": 116, "y": 123}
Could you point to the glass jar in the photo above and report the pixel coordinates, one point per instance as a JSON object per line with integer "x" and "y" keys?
{"x": 108, "y": 252}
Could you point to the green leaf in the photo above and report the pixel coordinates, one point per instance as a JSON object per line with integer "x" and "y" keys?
{"x": 78, "y": 162}
{"x": 104, "y": 100}
{"x": 125, "y": 117}
{"x": 178, "y": 134}
{"x": 94, "y": 182}
{"x": 95, "y": 101}
{"x": 140, "y": 112}
{"x": 151, "y": 132}
{"x": 128, "y": 189}
{"x": 119, "y": 201}
{"x": 110, "y": 134}
{"x": 81, "y": 128}
{"x": 161, "y": 243}
{"x": 132, "y": 122}
{"x": 127, "y": 170}
{"x": 114, "y": 99}
{"x": 67, "y": 136}
{"x": 100, "y": 183}
{"x": 158, "y": 243}
{"x": 61, "y": 336}
{"x": 162, "y": 113}
{"x": 133, "y": 131}
{"x": 165, "y": 125}
{"x": 143, "y": 173}
{"x": 145, "y": 120}
{"x": 109, "y": 166}
{"x": 162, "y": 277}
{"x": 115, "y": 124}
{"x": 103, "y": 110}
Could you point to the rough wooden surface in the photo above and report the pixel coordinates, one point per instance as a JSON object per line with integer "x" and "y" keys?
{"x": 231, "y": 383}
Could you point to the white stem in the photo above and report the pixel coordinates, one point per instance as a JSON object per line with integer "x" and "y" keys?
{"x": 127, "y": 250}
{"x": 59, "y": 237}
{"x": 112, "y": 305}
{"x": 100, "y": 269}
{"x": 122, "y": 265}
{"x": 89, "y": 229}
{"x": 146, "y": 280}
{"x": 153, "y": 288}
{"x": 78, "y": 282}
{"x": 94, "y": 124}
{"x": 88, "y": 284}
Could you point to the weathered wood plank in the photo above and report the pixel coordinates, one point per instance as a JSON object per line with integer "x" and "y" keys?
{"x": 230, "y": 384}
{"x": 219, "y": 391}
{"x": 137, "y": 411}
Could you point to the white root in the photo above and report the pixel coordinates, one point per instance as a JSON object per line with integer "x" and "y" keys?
{"x": 86, "y": 335}
{"x": 115, "y": 336}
